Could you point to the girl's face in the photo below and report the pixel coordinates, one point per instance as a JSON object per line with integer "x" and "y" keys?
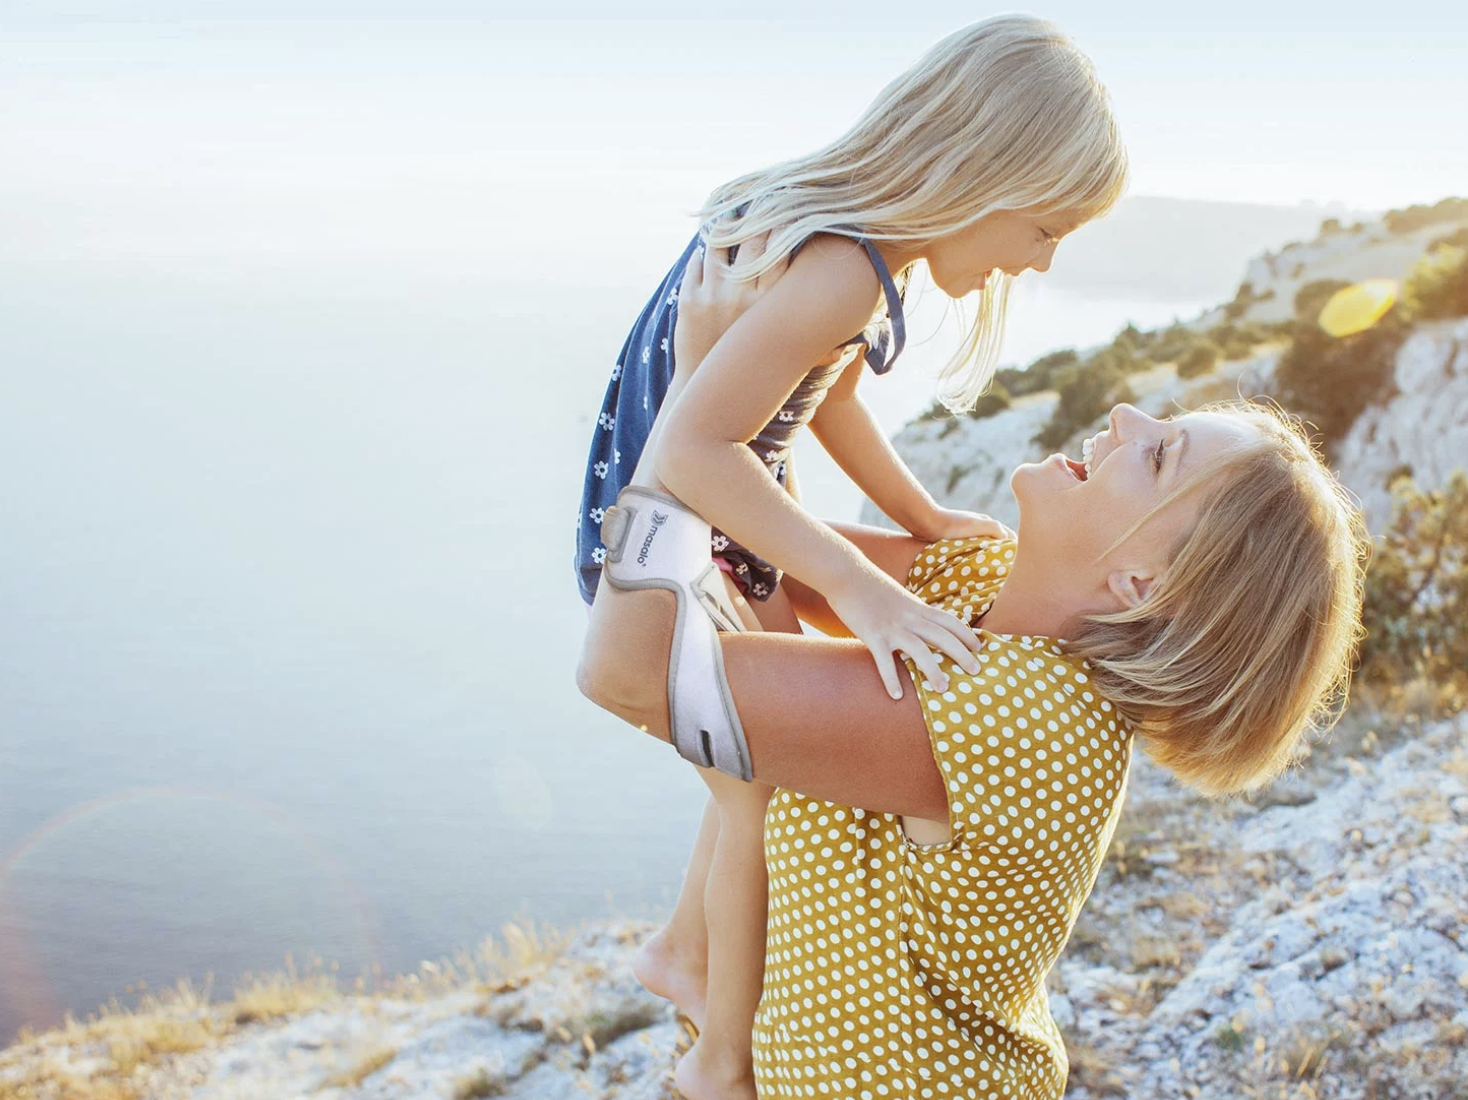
{"x": 1072, "y": 516}
{"x": 1011, "y": 241}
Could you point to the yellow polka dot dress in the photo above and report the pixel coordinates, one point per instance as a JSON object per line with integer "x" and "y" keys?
{"x": 899, "y": 970}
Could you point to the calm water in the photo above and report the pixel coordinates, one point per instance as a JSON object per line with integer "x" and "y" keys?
{"x": 299, "y": 372}
{"x": 289, "y": 624}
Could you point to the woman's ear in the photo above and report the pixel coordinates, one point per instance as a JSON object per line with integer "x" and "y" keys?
{"x": 1130, "y": 586}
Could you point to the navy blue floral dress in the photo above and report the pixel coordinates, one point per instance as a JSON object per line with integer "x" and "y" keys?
{"x": 638, "y": 385}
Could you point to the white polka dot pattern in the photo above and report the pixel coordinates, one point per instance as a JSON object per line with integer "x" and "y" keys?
{"x": 897, "y": 970}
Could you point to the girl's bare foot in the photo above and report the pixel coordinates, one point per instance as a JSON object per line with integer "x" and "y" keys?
{"x": 703, "y": 1074}
{"x": 677, "y": 976}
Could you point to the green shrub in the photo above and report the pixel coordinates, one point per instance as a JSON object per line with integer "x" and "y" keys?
{"x": 1245, "y": 297}
{"x": 1416, "y": 609}
{"x": 1310, "y": 299}
{"x": 1131, "y": 340}
{"x": 1039, "y": 375}
{"x": 1416, "y": 217}
{"x": 1328, "y": 380}
{"x": 1234, "y": 341}
{"x": 1458, "y": 238}
{"x": 1086, "y": 391}
{"x": 994, "y": 400}
{"x": 1438, "y": 286}
{"x": 1199, "y": 359}
{"x": 1173, "y": 342}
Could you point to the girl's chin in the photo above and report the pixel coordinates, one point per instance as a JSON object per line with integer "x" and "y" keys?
{"x": 971, "y": 285}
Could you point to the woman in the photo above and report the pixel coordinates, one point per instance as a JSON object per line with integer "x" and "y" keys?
{"x": 1193, "y": 582}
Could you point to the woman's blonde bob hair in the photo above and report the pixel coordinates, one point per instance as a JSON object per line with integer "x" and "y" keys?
{"x": 1006, "y": 114}
{"x": 1247, "y": 641}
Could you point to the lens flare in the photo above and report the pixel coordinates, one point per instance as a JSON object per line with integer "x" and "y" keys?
{"x": 26, "y": 993}
{"x": 1357, "y": 307}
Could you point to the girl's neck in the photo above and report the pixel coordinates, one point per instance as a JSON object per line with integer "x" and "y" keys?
{"x": 898, "y": 254}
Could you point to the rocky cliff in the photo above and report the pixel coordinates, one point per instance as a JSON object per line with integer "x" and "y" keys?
{"x": 1312, "y": 943}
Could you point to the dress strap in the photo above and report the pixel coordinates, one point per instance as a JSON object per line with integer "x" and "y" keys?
{"x": 887, "y": 339}
{"x": 877, "y": 357}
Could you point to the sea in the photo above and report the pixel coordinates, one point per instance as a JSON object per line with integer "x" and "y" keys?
{"x": 297, "y": 383}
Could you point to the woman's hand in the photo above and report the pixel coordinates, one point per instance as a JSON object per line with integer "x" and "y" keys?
{"x": 888, "y": 618}
{"x": 950, "y": 523}
{"x": 710, "y": 299}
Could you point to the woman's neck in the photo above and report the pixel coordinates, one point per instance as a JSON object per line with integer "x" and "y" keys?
{"x": 1035, "y": 600}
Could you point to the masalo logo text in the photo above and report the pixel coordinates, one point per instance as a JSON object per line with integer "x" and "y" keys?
{"x": 658, "y": 519}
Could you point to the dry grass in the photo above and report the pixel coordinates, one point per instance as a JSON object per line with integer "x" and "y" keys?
{"x": 116, "y": 1045}
{"x": 1149, "y": 950}
{"x": 276, "y": 996}
{"x": 524, "y": 949}
{"x": 477, "y": 1085}
{"x": 362, "y": 1069}
{"x": 1092, "y": 1071}
{"x": 1184, "y": 906}
{"x": 60, "y": 1085}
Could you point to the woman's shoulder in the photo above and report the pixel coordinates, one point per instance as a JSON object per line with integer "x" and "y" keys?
{"x": 963, "y": 576}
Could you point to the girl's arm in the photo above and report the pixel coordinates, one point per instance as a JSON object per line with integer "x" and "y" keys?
{"x": 828, "y": 292}
{"x": 851, "y": 435}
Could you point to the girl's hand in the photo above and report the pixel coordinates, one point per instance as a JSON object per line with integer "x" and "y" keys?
{"x": 888, "y": 618}
{"x": 710, "y": 300}
{"x": 950, "y": 523}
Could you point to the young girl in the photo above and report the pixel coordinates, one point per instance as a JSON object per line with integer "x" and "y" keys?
{"x": 994, "y": 146}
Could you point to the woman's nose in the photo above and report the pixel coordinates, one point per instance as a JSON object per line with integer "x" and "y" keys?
{"x": 1126, "y": 418}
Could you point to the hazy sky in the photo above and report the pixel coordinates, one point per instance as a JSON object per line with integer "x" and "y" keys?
{"x": 1270, "y": 102}
{"x": 196, "y": 129}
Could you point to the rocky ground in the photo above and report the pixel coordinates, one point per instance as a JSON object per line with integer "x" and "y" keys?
{"x": 1311, "y": 943}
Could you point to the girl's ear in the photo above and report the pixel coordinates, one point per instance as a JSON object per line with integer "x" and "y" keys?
{"x": 1130, "y": 586}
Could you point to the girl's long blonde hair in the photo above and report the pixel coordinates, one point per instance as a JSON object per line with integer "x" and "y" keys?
{"x": 1006, "y": 114}
{"x": 1246, "y": 643}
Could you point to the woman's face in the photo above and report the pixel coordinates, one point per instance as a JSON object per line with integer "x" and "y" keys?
{"x": 1011, "y": 241}
{"x": 1070, "y": 515}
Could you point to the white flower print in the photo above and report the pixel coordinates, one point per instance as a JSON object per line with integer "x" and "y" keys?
{"x": 742, "y": 567}
{"x": 664, "y": 344}
{"x": 785, "y": 416}
{"x": 616, "y": 372}
{"x": 597, "y": 514}
{"x": 720, "y": 543}
{"x": 673, "y": 297}
{"x": 600, "y": 469}
{"x": 616, "y": 455}
{"x": 599, "y": 555}
{"x": 761, "y": 590}
{"x": 646, "y": 354}
{"x": 773, "y": 456}
{"x": 644, "y": 402}
{"x": 605, "y": 421}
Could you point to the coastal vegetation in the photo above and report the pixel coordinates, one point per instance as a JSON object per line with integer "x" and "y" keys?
{"x": 1415, "y": 653}
{"x": 112, "y": 1053}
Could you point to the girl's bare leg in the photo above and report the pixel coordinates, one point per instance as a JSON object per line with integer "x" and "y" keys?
{"x": 674, "y": 963}
{"x": 720, "y": 1066}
